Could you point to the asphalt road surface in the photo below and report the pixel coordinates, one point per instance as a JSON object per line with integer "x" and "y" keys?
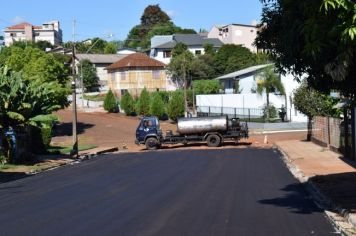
{"x": 243, "y": 191}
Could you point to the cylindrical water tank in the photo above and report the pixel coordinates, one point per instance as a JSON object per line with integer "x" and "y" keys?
{"x": 198, "y": 125}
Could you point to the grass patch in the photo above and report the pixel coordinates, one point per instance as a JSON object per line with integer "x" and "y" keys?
{"x": 67, "y": 149}
{"x": 95, "y": 98}
{"x": 7, "y": 166}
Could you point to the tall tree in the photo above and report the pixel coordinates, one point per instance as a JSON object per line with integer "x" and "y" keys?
{"x": 312, "y": 103}
{"x": 90, "y": 78}
{"x": 268, "y": 83}
{"x": 232, "y": 57}
{"x": 313, "y": 37}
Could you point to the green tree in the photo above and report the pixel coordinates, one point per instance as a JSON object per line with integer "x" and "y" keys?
{"x": 110, "y": 48}
{"x": 128, "y": 103}
{"x": 153, "y": 15}
{"x": 22, "y": 101}
{"x": 230, "y": 58}
{"x": 269, "y": 82}
{"x": 42, "y": 45}
{"x": 157, "y": 106}
{"x": 180, "y": 66}
{"x": 179, "y": 49}
{"x": 314, "y": 38}
{"x": 90, "y": 79}
{"x": 154, "y": 21}
{"x": 110, "y": 102}
{"x": 312, "y": 103}
{"x": 176, "y": 106}
{"x": 206, "y": 86}
{"x": 143, "y": 106}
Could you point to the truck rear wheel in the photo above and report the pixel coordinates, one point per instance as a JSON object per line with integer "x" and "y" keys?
{"x": 151, "y": 143}
{"x": 213, "y": 140}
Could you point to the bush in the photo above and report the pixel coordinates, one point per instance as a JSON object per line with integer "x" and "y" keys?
{"x": 176, "y": 106}
{"x": 157, "y": 107}
{"x": 206, "y": 86}
{"x": 128, "y": 104}
{"x": 110, "y": 102}
{"x": 143, "y": 105}
{"x": 164, "y": 96}
{"x": 272, "y": 111}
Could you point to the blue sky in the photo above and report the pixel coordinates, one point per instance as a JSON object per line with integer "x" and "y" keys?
{"x": 98, "y": 18}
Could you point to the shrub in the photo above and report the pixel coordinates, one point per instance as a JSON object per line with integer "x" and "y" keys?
{"x": 128, "y": 104}
{"x": 176, "y": 106}
{"x": 157, "y": 107}
{"x": 206, "y": 86}
{"x": 110, "y": 102}
{"x": 143, "y": 105}
{"x": 272, "y": 111}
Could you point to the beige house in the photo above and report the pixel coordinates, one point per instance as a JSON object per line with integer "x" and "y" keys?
{"x": 137, "y": 71}
{"x": 49, "y": 32}
{"x": 238, "y": 34}
{"x": 100, "y": 62}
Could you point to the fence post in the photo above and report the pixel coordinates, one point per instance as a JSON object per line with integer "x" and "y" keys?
{"x": 346, "y": 134}
{"x": 235, "y": 111}
{"x": 222, "y": 110}
{"x": 249, "y": 117}
{"x": 209, "y": 110}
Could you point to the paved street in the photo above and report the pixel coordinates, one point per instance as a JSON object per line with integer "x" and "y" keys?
{"x": 246, "y": 191}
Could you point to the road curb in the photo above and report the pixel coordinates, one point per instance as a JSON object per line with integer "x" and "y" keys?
{"x": 342, "y": 220}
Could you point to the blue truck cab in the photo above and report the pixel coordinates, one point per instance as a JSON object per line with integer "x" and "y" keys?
{"x": 149, "y": 132}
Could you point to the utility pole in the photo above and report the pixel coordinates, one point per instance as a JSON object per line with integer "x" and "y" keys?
{"x": 185, "y": 89}
{"x": 74, "y": 152}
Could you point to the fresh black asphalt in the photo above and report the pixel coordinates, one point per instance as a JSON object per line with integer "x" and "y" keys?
{"x": 245, "y": 191}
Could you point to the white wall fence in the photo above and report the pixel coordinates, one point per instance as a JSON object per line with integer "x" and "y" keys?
{"x": 245, "y": 105}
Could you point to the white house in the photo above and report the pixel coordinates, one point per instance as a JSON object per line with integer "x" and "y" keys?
{"x": 162, "y": 45}
{"x": 49, "y": 31}
{"x": 246, "y": 101}
{"x": 238, "y": 34}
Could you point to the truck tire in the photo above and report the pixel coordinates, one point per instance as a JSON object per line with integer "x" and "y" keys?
{"x": 151, "y": 143}
{"x": 213, "y": 140}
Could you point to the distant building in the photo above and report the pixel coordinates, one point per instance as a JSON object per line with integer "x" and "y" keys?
{"x": 49, "y": 32}
{"x": 162, "y": 45}
{"x": 100, "y": 62}
{"x": 238, "y": 34}
{"x": 137, "y": 71}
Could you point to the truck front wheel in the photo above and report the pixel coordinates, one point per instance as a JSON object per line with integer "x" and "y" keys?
{"x": 151, "y": 143}
{"x": 213, "y": 140}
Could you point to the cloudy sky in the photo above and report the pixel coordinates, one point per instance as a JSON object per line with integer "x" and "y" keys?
{"x": 117, "y": 17}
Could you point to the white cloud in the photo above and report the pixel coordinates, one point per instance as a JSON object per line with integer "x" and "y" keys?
{"x": 18, "y": 19}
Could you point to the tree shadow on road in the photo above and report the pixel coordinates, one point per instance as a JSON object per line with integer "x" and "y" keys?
{"x": 295, "y": 199}
{"x": 339, "y": 189}
{"x": 11, "y": 176}
{"x": 65, "y": 129}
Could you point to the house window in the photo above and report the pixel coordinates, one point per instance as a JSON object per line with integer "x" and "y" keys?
{"x": 37, "y": 34}
{"x": 197, "y": 52}
{"x": 167, "y": 54}
{"x": 13, "y": 34}
{"x": 155, "y": 74}
{"x": 123, "y": 75}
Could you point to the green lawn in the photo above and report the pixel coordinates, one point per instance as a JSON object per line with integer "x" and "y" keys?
{"x": 67, "y": 149}
{"x": 96, "y": 98}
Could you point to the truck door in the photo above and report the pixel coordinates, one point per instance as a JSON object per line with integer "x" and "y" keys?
{"x": 146, "y": 127}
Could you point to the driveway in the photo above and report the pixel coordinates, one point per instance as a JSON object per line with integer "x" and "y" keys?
{"x": 245, "y": 191}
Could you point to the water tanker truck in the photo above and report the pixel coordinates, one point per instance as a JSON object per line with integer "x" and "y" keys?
{"x": 212, "y": 130}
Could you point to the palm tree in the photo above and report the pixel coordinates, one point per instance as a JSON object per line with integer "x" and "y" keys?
{"x": 269, "y": 82}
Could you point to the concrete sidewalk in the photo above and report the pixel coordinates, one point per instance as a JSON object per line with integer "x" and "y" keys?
{"x": 332, "y": 176}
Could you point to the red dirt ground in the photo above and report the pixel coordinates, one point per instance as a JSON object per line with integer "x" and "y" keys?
{"x": 107, "y": 130}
